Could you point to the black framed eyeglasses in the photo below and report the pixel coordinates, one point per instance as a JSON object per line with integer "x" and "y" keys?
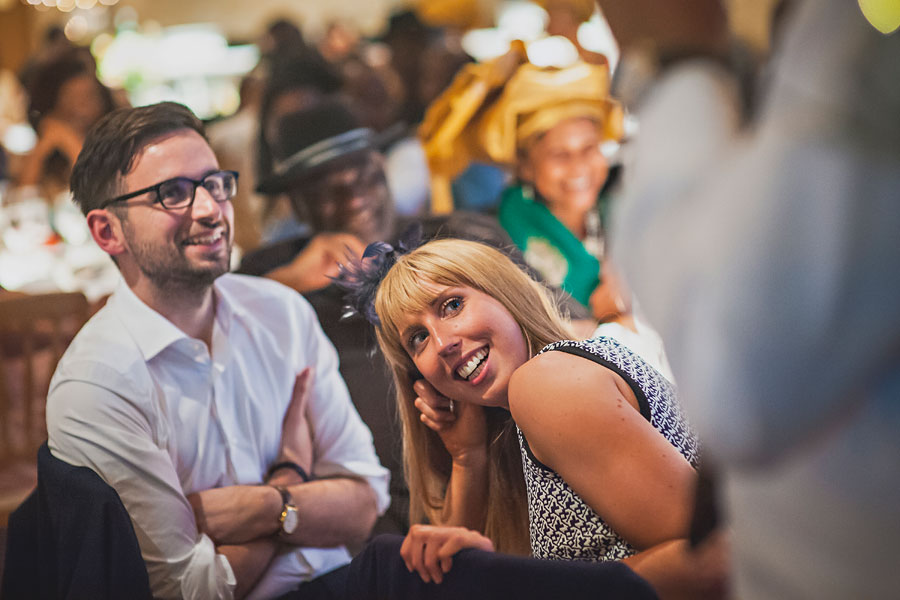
{"x": 179, "y": 192}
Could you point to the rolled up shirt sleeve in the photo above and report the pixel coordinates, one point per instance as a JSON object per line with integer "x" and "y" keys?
{"x": 95, "y": 427}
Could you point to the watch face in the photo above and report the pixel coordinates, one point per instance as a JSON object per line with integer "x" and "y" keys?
{"x": 291, "y": 519}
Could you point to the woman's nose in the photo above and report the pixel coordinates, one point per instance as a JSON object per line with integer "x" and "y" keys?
{"x": 447, "y": 342}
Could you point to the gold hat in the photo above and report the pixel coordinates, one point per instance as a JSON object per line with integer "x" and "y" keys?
{"x": 462, "y": 14}
{"x": 493, "y": 109}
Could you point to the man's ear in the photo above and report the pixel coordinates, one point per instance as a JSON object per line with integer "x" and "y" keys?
{"x": 106, "y": 229}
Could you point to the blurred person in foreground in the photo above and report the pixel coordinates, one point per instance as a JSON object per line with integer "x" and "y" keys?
{"x": 211, "y": 402}
{"x": 766, "y": 257}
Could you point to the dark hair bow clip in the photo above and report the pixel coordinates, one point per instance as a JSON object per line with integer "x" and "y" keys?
{"x": 360, "y": 278}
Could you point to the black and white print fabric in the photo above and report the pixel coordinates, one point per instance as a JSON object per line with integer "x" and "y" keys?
{"x": 562, "y": 525}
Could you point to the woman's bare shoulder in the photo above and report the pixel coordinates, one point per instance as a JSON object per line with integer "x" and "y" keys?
{"x": 559, "y": 385}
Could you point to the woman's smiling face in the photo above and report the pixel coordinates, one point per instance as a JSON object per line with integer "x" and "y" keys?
{"x": 466, "y": 344}
{"x": 566, "y": 166}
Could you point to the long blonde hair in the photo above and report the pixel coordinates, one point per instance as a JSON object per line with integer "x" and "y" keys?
{"x": 427, "y": 463}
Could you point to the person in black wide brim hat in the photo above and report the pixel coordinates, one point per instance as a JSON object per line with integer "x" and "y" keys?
{"x": 332, "y": 169}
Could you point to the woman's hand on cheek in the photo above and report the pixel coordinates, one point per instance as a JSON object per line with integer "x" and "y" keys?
{"x": 463, "y": 430}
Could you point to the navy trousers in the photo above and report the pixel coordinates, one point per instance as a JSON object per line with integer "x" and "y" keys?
{"x": 378, "y": 573}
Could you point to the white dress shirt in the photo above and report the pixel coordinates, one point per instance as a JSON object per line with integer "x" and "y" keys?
{"x": 150, "y": 410}
{"x": 767, "y": 259}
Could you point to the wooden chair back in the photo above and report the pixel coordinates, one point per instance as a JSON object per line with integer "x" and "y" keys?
{"x": 34, "y": 333}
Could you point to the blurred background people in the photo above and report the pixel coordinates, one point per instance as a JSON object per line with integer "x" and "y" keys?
{"x": 234, "y": 140}
{"x": 293, "y": 82}
{"x": 65, "y": 99}
{"x": 54, "y": 46}
{"x": 765, "y": 256}
{"x": 555, "y": 212}
{"x": 549, "y": 127}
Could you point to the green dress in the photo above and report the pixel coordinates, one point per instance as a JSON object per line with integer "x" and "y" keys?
{"x": 549, "y": 247}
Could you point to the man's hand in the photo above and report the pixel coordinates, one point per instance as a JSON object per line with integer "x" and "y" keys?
{"x": 236, "y": 514}
{"x": 296, "y": 433}
{"x": 429, "y": 550}
{"x": 314, "y": 267}
{"x": 241, "y": 513}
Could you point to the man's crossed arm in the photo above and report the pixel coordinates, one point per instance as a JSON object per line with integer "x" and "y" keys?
{"x": 243, "y": 520}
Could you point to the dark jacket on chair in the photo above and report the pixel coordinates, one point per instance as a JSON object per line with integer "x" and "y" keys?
{"x": 72, "y": 538}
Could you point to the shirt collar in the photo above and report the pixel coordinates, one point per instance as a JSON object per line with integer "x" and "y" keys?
{"x": 151, "y": 332}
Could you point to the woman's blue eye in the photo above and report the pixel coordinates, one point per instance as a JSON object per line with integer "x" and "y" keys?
{"x": 452, "y": 305}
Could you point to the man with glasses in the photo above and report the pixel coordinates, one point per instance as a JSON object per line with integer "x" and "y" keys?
{"x": 211, "y": 402}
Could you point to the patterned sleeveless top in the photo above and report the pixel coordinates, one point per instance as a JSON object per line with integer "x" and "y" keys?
{"x": 562, "y": 525}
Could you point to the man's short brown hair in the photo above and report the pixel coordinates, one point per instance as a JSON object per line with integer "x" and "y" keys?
{"x": 115, "y": 141}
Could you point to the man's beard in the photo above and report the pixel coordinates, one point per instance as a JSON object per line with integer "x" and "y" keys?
{"x": 170, "y": 270}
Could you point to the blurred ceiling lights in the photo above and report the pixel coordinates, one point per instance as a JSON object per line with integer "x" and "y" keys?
{"x": 68, "y": 5}
{"x": 85, "y": 14}
{"x": 526, "y": 21}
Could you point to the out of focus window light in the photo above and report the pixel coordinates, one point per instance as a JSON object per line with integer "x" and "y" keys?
{"x": 485, "y": 44}
{"x": 76, "y": 28}
{"x": 516, "y": 20}
{"x": 610, "y": 149}
{"x": 631, "y": 125}
{"x": 525, "y": 21}
{"x": 19, "y": 138}
{"x": 191, "y": 64}
{"x": 595, "y": 35}
{"x": 555, "y": 51}
{"x": 126, "y": 18}
{"x": 101, "y": 43}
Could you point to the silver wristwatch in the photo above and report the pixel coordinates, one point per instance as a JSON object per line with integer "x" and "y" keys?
{"x": 289, "y": 517}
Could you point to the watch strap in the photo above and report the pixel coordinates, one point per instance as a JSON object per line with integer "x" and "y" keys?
{"x": 286, "y": 497}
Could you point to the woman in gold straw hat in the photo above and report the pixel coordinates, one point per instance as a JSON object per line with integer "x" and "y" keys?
{"x": 547, "y": 125}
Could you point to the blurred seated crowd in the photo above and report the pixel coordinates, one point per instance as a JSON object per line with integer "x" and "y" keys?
{"x": 371, "y": 337}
